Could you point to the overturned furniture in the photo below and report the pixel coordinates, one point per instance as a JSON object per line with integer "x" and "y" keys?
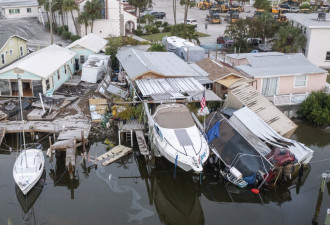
{"x": 94, "y": 68}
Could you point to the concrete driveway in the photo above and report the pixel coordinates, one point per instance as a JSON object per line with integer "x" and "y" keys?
{"x": 214, "y": 30}
{"x": 29, "y": 28}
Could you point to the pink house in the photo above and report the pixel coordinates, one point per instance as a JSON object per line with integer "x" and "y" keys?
{"x": 279, "y": 74}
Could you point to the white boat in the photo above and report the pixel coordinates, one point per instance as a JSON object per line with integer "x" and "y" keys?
{"x": 178, "y": 139}
{"x": 28, "y": 169}
{"x": 30, "y": 163}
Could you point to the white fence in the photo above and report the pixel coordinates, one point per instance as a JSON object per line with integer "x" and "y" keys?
{"x": 291, "y": 99}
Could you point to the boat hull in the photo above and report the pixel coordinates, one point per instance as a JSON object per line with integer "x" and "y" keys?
{"x": 28, "y": 168}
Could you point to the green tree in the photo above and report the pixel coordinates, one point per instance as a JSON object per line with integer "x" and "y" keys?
{"x": 150, "y": 19}
{"x": 93, "y": 8}
{"x": 140, "y": 4}
{"x": 84, "y": 19}
{"x": 186, "y": 32}
{"x": 239, "y": 32}
{"x": 114, "y": 43}
{"x": 316, "y": 108}
{"x": 70, "y": 5}
{"x": 289, "y": 39}
{"x": 187, "y": 4}
{"x": 262, "y": 27}
{"x": 262, "y": 4}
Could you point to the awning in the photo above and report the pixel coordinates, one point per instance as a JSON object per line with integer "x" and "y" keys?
{"x": 228, "y": 82}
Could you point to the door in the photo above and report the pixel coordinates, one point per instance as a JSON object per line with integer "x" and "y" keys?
{"x": 269, "y": 86}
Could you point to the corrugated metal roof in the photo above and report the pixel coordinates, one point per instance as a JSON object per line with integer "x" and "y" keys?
{"x": 43, "y": 62}
{"x": 18, "y": 3}
{"x": 137, "y": 62}
{"x": 91, "y": 42}
{"x": 203, "y": 80}
{"x": 174, "y": 88}
{"x": 276, "y": 64}
{"x": 269, "y": 113}
{"x": 117, "y": 91}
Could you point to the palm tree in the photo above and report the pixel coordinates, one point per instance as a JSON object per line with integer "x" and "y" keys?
{"x": 70, "y": 5}
{"x": 84, "y": 19}
{"x": 93, "y": 8}
{"x": 289, "y": 39}
{"x": 174, "y": 11}
{"x": 187, "y": 4}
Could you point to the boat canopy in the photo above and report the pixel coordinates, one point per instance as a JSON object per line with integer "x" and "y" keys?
{"x": 173, "y": 116}
{"x": 232, "y": 148}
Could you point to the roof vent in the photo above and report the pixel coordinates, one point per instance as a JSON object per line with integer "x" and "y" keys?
{"x": 321, "y": 16}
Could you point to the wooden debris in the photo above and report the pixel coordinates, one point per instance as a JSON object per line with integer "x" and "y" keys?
{"x": 142, "y": 142}
{"x": 98, "y": 107}
{"x": 2, "y": 134}
{"x": 38, "y": 114}
{"x": 74, "y": 81}
{"x": 66, "y": 101}
{"x": 114, "y": 154}
{"x": 3, "y": 116}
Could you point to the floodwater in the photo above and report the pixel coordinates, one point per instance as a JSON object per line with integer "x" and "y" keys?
{"x": 127, "y": 192}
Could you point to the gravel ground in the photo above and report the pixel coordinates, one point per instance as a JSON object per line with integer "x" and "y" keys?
{"x": 214, "y": 30}
{"x": 34, "y": 32}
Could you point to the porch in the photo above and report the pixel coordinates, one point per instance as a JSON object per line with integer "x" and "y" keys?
{"x": 291, "y": 99}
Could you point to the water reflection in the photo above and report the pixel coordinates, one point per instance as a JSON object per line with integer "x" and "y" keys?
{"x": 27, "y": 201}
{"x": 61, "y": 177}
{"x": 214, "y": 188}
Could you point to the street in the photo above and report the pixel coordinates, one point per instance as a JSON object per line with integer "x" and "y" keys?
{"x": 214, "y": 30}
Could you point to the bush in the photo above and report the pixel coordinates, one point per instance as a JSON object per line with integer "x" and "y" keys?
{"x": 165, "y": 24}
{"x": 305, "y": 5}
{"x": 138, "y": 32}
{"x": 60, "y": 31}
{"x": 148, "y": 28}
{"x": 167, "y": 29}
{"x": 155, "y": 30}
{"x": 316, "y": 108}
{"x": 156, "y": 47}
{"x": 139, "y": 27}
{"x": 66, "y": 28}
{"x": 74, "y": 37}
{"x": 142, "y": 20}
{"x": 158, "y": 24}
{"x": 66, "y": 34}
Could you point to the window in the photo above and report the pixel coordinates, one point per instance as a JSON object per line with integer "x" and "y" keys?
{"x": 28, "y": 10}
{"x": 3, "y": 59}
{"x": 47, "y": 84}
{"x": 82, "y": 59}
{"x": 21, "y": 50}
{"x": 300, "y": 81}
{"x": 65, "y": 69}
{"x": 327, "y": 57}
{"x": 14, "y": 11}
{"x": 11, "y": 51}
{"x": 58, "y": 75}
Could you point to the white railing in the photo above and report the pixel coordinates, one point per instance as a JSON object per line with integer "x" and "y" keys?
{"x": 291, "y": 99}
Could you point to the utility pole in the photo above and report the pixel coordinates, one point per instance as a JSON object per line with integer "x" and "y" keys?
{"x": 51, "y": 22}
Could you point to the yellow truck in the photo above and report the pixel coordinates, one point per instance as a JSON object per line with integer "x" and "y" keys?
{"x": 204, "y": 4}
{"x": 214, "y": 16}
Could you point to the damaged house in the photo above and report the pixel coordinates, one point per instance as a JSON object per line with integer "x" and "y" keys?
{"x": 163, "y": 76}
{"x": 43, "y": 71}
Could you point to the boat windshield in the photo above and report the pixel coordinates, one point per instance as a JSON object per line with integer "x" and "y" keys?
{"x": 173, "y": 116}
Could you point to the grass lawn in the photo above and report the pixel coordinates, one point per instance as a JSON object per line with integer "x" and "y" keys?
{"x": 200, "y": 34}
{"x": 156, "y": 37}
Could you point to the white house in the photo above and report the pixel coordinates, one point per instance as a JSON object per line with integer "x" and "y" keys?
{"x": 317, "y": 33}
{"x": 19, "y": 8}
{"x": 115, "y": 20}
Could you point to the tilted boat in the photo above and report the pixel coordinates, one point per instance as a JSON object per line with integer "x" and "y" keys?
{"x": 177, "y": 137}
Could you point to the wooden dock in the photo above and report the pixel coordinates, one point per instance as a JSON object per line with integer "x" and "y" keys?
{"x": 2, "y": 134}
{"x": 128, "y": 128}
{"x": 39, "y": 114}
{"x": 142, "y": 142}
{"x": 66, "y": 129}
{"x": 114, "y": 154}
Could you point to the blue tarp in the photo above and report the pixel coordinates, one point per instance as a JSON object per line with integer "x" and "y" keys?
{"x": 251, "y": 180}
{"x": 214, "y": 132}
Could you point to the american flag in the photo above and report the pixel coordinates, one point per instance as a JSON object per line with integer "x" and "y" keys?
{"x": 203, "y": 102}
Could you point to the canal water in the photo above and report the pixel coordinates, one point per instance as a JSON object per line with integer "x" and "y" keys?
{"x": 127, "y": 192}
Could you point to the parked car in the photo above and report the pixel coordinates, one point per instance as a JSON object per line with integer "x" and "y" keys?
{"x": 254, "y": 41}
{"x": 159, "y": 15}
{"x": 227, "y": 41}
{"x": 192, "y": 22}
{"x": 284, "y": 8}
{"x": 147, "y": 12}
